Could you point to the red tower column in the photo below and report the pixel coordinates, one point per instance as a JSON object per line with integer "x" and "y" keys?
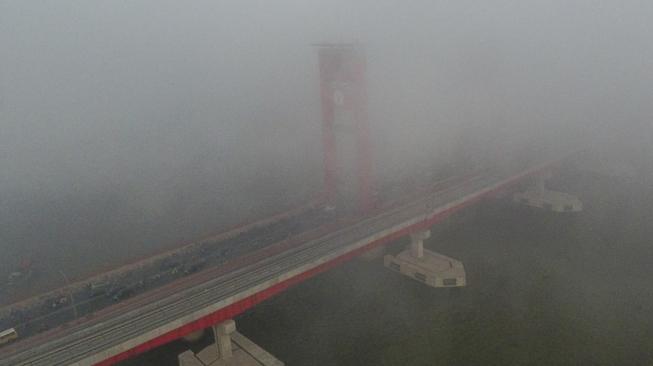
{"x": 348, "y": 166}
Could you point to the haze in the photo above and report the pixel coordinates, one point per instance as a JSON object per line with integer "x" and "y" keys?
{"x": 129, "y": 126}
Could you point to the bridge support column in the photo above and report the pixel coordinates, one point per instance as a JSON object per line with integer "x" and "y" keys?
{"x": 539, "y": 196}
{"x": 222, "y": 333}
{"x": 230, "y": 349}
{"x": 428, "y": 267}
{"x": 417, "y": 243}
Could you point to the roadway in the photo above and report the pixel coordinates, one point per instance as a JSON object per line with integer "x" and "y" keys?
{"x": 219, "y": 293}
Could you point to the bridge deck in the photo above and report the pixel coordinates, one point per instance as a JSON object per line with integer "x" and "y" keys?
{"x": 174, "y": 311}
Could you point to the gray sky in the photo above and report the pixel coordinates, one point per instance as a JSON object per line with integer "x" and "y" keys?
{"x": 107, "y": 86}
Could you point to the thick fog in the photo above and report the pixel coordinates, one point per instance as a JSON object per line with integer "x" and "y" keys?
{"x": 130, "y": 126}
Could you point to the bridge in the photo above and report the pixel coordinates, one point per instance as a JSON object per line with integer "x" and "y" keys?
{"x": 209, "y": 282}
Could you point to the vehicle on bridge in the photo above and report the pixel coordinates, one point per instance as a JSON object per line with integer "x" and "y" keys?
{"x": 8, "y": 335}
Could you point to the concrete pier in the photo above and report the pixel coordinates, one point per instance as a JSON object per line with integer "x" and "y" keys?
{"x": 540, "y": 197}
{"x": 423, "y": 265}
{"x": 230, "y": 349}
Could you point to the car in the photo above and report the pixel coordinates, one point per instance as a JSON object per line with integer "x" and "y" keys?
{"x": 8, "y": 335}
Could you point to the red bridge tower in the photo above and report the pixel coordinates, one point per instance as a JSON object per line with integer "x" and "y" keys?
{"x": 345, "y": 126}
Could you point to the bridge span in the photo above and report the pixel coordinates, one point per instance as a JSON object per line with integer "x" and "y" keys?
{"x": 203, "y": 299}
